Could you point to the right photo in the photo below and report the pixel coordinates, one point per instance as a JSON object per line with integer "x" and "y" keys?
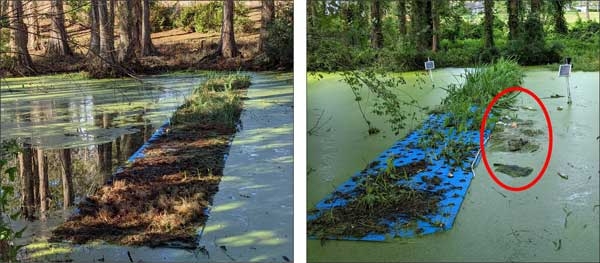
{"x": 441, "y": 130}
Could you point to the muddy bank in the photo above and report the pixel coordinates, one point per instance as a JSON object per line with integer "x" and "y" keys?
{"x": 160, "y": 199}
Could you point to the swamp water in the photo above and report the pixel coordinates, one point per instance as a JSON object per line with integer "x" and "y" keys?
{"x": 493, "y": 224}
{"x": 102, "y": 122}
{"x": 99, "y": 122}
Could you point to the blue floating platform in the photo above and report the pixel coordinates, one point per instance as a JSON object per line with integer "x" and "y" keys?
{"x": 404, "y": 152}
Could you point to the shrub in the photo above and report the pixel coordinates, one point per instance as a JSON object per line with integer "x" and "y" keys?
{"x": 161, "y": 17}
{"x": 208, "y": 17}
{"x": 279, "y": 47}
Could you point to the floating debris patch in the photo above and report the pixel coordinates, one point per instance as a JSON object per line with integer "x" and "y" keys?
{"x": 513, "y": 170}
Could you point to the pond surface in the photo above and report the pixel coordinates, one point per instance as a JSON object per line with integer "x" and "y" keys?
{"x": 102, "y": 123}
{"x": 493, "y": 224}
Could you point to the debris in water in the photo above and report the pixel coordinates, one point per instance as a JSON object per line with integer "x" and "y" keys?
{"x": 567, "y": 214}
{"x": 563, "y": 176}
{"x": 286, "y": 259}
{"x": 555, "y": 96}
{"x": 557, "y": 245}
{"x": 529, "y": 108}
{"x": 503, "y": 195}
{"x": 515, "y": 145}
{"x": 204, "y": 251}
{"x": 129, "y": 255}
{"x": 513, "y": 170}
{"x": 531, "y": 132}
{"x": 559, "y": 108}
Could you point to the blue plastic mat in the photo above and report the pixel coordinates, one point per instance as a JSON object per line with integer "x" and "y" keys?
{"x": 406, "y": 152}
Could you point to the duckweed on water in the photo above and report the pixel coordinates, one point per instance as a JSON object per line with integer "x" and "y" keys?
{"x": 160, "y": 199}
{"x": 377, "y": 197}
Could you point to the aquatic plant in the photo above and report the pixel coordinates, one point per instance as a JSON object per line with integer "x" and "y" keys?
{"x": 8, "y": 149}
{"x": 387, "y": 102}
{"x": 216, "y": 100}
{"x": 378, "y": 196}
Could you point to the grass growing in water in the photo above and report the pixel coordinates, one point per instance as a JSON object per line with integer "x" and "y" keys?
{"x": 216, "y": 101}
{"x": 384, "y": 195}
{"x": 377, "y": 197}
{"x": 466, "y": 105}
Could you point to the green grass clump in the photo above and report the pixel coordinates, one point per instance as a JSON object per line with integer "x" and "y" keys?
{"x": 478, "y": 89}
{"x": 217, "y": 102}
{"x": 223, "y": 82}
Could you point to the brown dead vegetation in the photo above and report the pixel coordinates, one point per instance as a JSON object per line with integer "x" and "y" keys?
{"x": 160, "y": 199}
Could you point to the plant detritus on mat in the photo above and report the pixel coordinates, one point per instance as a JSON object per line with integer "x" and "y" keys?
{"x": 377, "y": 197}
{"x": 160, "y": 199}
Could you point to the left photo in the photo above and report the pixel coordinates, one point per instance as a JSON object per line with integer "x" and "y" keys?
{"x": 146, "y": 131}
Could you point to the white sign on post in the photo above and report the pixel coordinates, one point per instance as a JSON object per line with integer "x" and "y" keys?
{"x": 564, "y": 70}
{"x": 429, "y": 65}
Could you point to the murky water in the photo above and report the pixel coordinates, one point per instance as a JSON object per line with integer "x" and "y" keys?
{"x": 101, "y": 122}
{"x": 98, "y": 120}
{"x": 493, "y": 224}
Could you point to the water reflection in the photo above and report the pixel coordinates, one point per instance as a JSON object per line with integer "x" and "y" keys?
{"x": 74, "y": 134}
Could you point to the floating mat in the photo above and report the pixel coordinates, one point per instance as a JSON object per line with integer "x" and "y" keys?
{"x": 406, "y": 152}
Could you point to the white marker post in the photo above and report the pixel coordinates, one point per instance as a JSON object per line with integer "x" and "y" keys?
{"x": 564, "y": 70}
{"x": 430, "y": 65}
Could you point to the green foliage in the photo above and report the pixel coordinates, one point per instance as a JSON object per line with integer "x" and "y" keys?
{"x": 8, "y": 175}
{"x": 339, "y": 35}
{"x": 478, "y": 89}
{"x": 279, "y": 47}
{"x": 78, "y": 12}
{"x": 208, "y": 17}
{"x": 161, "y": 17}
{"x": 216, "y": 101}
{"x": 397, "y": 109}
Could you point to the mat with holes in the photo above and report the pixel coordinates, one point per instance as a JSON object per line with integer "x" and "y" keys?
{"x": 451, "y": 181}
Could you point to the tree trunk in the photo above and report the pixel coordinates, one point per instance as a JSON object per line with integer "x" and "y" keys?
{"x": 513, "y": 19}
{"x": 560, "y": 24}
{"x": 148, "y": 48}
{"x": 43, "y": 183}
{"x": 36, "y": 179}
{"x": 421, "y": 24}
{"x": 118, "y": 149}
{"x": 136, "y": 27}
{"x": 67, "y": 177}
{"x": 534, "y": 26}
{"x": 57, "y": 43}
{"x": 488, "y": 24}
{"x": 267, "y": 14}
{"x": 126, "y": 52}
{"x": 402, "y": 17}
{"x": 19, "y": 39}
{"x": 94, "y": 29}
{"x": 376, "y": 30}
{"x": 587, "y": 10}
{"x": 34, "y": 41}
{"x": 312, "y": 12}
{"x": 227, "y": 47}
{"x": 435, "y": 25}
{"x": 3, "y": 7}
{"x": 26, "y": 174}
{"x": 536, "y": 7}
{"x": 107, "y": 47}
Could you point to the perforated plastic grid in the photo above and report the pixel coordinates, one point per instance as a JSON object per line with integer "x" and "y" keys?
{"x": 405, "y": 152}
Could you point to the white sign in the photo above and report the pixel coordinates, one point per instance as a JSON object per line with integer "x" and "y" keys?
{"x": 429, "y": 65}
{"x": 564, "y": 70}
